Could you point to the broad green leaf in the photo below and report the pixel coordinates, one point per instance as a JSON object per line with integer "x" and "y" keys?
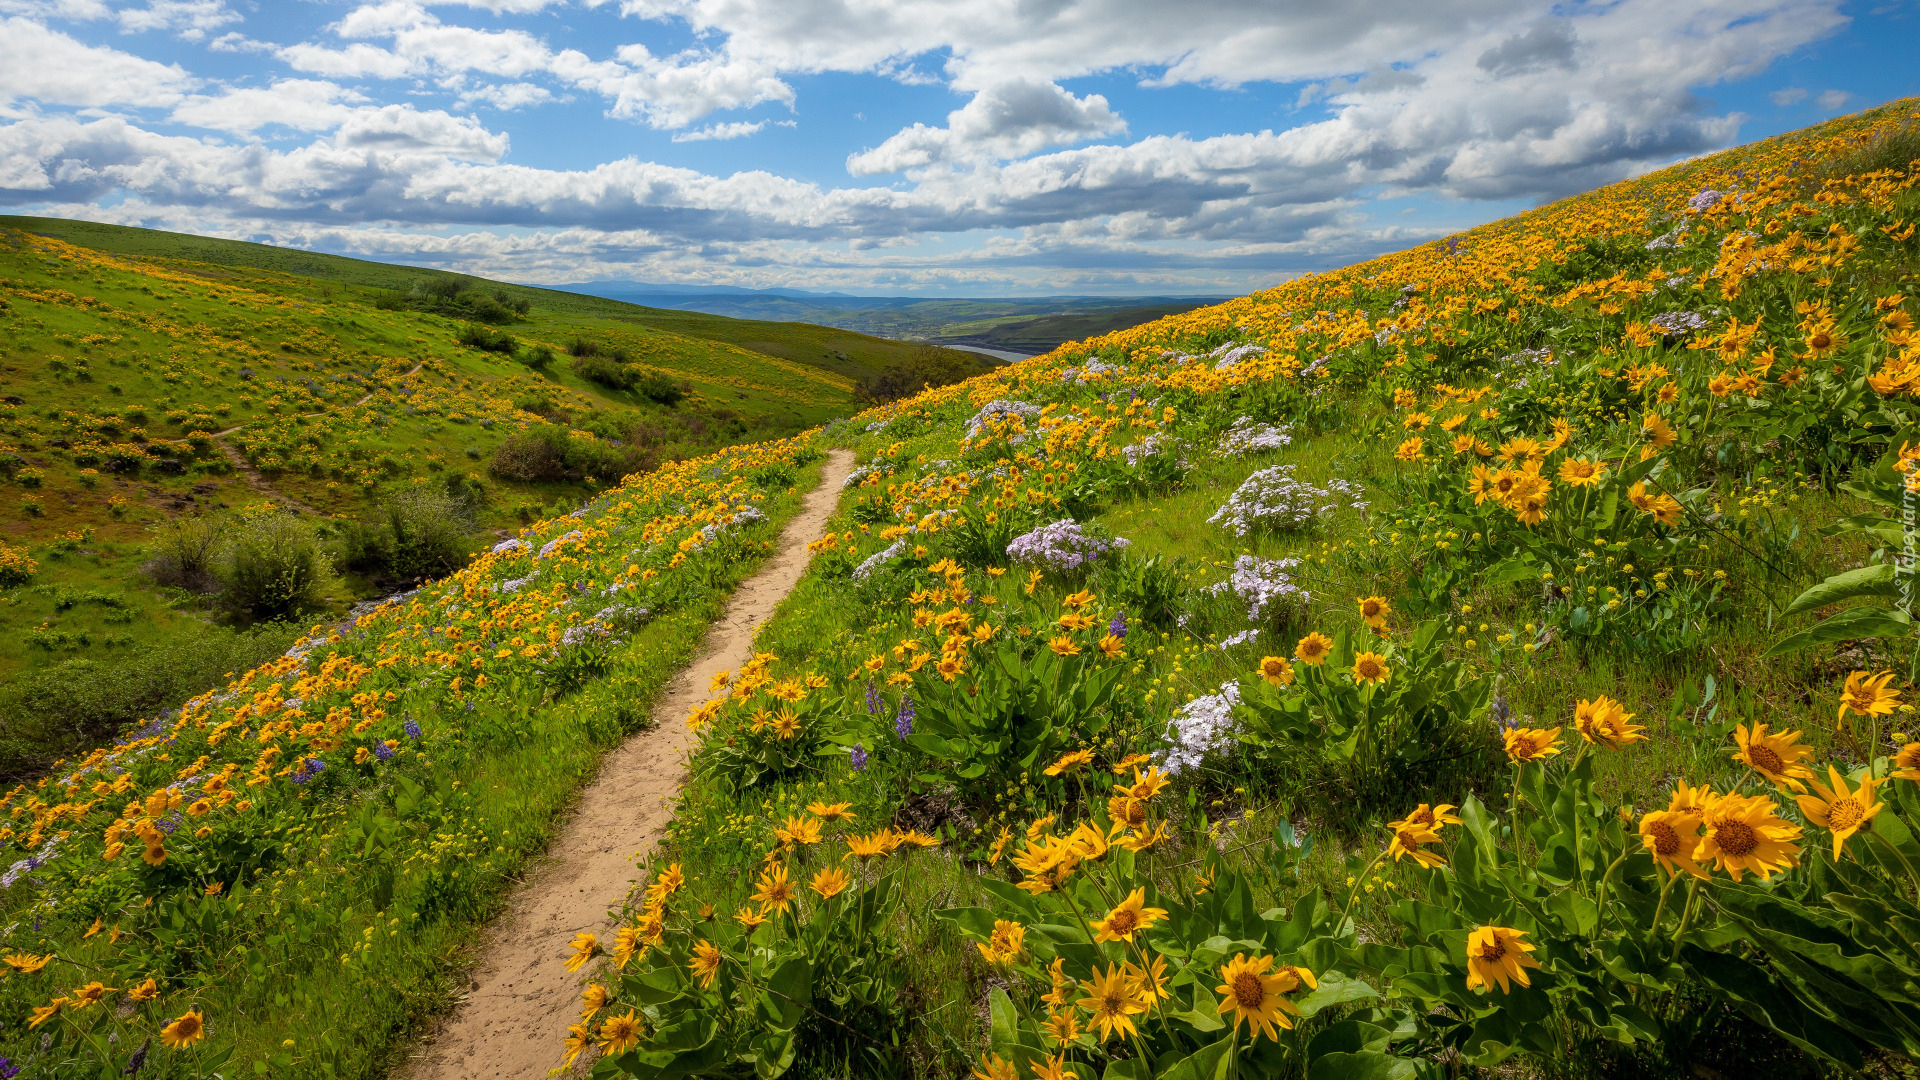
{"x": 1851, "y": 623}
{"x": 1876, "y": 580}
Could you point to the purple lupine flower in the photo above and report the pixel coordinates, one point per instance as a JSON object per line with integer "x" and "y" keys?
{"x": 1118, "y": 627}
{"x": 1502, "y": 715}
{"x": 874, "y": 700}
{"x": 859, "y": 757}
{"x": 309, "y": 768}
{"x": 382, "y": 751}
{"x": 412, "y": 729}
{"x": 903, "y": 723}
{"x": 169, "y": 824}
{"x": 8, "y": 1070}
{"x": 138, "y": 1059}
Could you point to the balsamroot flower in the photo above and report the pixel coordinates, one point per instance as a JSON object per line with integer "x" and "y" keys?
{"x": 1411, "y": 839}
{"x": 184, "y": 1032}
{"x": 1743, "y": 833}
{"x": 585, "y": 947}
{"x": 705, "y": 963}
{"x": 1114, "y": 1000}
{"x": 1838, "y": 810}
{"x": 1313, "y": 649}
{"x": 1005, "y": 944}
{"x": 1605, "y": 722}
{"x": 1868, "y": 695}
{"x": 1252, "y": 995}
{"x": 619, "y": 1034}
{"x": 1531, "y": 744}
{"x": 1276, "y": 670}
{"x": 1370, "y": 668}
{"x": 1775, "y": 756}
{"x": 1129, "y": 917}
{"x": 1670, "y": 837}
{"x": 1497, "y": 954}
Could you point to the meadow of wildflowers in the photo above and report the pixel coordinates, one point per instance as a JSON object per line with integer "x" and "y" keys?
{"x": 1542, "y": 708}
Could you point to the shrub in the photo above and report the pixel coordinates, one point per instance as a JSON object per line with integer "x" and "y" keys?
{"x": 606, "y": 372}
{"x": 547, "y": 453}
{"x": 420, "y": 532}
{"x": 16, "y": 567}
{"x": 660, "y": 389}
{"x": 184, "y": 553}
{"x": 476, "y": 336}
{"x": 272, "y": 566}
{"x": 539, "y": 357}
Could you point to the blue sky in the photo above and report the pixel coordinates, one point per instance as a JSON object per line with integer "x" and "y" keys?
{"x": 992, "y": 147}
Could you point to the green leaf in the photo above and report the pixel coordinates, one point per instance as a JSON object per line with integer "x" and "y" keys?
{"x": 1004, "y": 1032}
{"x": 1364, "y": 1065}
{"x": 1207, "y": 1063}
{"x": 1851, "y": 623}
{"x": 1877, "y": 580}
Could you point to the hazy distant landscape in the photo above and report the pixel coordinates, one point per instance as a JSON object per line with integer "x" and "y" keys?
{"x": 1025, "y": 325}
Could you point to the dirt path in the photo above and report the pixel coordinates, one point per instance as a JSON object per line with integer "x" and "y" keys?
{"x": 511, "y": 1024}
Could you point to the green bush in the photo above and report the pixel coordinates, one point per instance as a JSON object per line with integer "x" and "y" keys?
{"x": 272, "y": 566}
{"x": 184, "y": 553}
{"x": 546, "y": 453}
{"x": 607, "y": 372}
{"x": 476, "y": 336}
{"x": 418, "y": 533}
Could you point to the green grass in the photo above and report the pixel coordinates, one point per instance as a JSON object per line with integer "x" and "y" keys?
{"x": 843, "y": 353}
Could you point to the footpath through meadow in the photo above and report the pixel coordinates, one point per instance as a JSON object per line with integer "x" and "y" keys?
{"x": 510, "y": 1025}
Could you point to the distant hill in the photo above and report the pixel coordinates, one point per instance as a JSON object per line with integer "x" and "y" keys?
{"x": 1027, "y": 325}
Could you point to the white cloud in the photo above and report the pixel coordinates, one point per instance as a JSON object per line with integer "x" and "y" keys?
{"x": 74, "y": 10}
{"x": 402, "y": 130}
{"x": 1006, "y": 121}
{"x": 236, "y": 42}
{"x": 739, "y": 130}
{"x": 1788, "y": 95}
{"x": 302, "y": 104}
{"x": 1832, "y": 100}
{"x": 506, "y": 97}
{"x": 49, "y": 67}
{"x": 355, "y": 61}
{"x": 191, "y": 19}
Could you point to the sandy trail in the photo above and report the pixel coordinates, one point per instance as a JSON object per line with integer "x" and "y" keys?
{"x": 511, "y": 1024}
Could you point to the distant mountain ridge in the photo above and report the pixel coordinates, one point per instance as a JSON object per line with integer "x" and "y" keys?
{"x": 1028, "y": 325}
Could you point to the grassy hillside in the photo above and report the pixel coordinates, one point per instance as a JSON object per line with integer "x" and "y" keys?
{"x": 852, "y": 356}
{"x": 1358, "y": 679}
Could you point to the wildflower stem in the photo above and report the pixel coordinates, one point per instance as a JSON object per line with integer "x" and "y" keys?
{"x": 1686, "y": 919}
{"x": 1898, "y": 854}
{"x": 1660, "y": 908}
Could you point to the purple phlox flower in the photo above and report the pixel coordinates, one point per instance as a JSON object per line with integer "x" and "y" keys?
{"x": 1274, "y": 498}
{"x": 412, "y": 729}
{"x": 1118, "y": 626}
{"x": 1263, "y": 585}
{"x": 858, "y": 755}
{"x": 903, "y": 722}
{"x": 1202, "y": 725}
{"x": 1063, "y": 545}
{"x": 1675, "y": 323}
{"x": 1248, "y": 436}
{"x": 1705, "y": 200}
{"x": 874, "y": 700}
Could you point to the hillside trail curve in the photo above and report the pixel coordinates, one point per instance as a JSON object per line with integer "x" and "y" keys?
{"x": 512, "y": 1021}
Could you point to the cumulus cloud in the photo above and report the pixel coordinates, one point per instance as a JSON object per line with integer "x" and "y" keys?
{"x": 49, "y": 67}
{"x": 1833, "y": 100}
{"x": 1008, "y": 120}
{"x": 1788, "y": 95}
{"x": 302, "y": 104}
